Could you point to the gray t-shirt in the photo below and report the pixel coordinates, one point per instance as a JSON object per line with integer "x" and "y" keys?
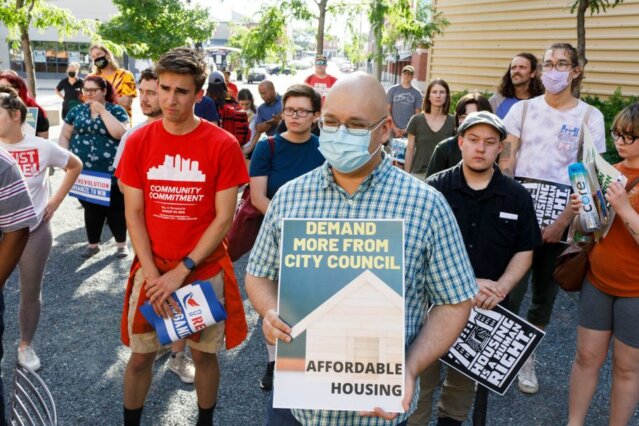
{"x": 403, "y": 104}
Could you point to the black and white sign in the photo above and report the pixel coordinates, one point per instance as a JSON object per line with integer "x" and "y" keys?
{"x": 493, "y": 347}
{"x": 549, "y": 198}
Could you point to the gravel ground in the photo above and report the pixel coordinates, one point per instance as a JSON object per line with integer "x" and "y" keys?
{"x": 83, "y": 359}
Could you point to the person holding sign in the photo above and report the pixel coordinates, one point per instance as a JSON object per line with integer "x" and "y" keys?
{"x": 544, "y": 137}
{"x": 294, "y": 153}
{"x": 609, "y": 301}
{"x": 180, "y": 177}
{"x": 359, "y": 181}
{"x": 34, "y": 156}
{"x": 93, "y": 131}
{"x": 497, "y": 220}
{"x": 12, "y": 79}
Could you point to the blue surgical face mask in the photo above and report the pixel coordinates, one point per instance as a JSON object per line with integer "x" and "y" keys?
{"x": 345, "y": 152}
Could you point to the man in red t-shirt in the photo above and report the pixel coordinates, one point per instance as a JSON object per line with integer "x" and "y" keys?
{"x": 320, "y": 80}
{"x": 180, "y": 177}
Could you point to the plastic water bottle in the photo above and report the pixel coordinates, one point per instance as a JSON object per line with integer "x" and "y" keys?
{"x": 588, "y": 215}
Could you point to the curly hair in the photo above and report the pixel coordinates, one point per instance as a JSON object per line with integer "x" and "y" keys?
{"x": 10, "y": 101}
{"x": 535, "y": 86}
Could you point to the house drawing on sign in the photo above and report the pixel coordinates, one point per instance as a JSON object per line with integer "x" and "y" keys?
{"x": 363, "y": 322}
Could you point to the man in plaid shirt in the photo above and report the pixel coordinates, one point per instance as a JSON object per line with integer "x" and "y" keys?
{"x": 359, "y": 182}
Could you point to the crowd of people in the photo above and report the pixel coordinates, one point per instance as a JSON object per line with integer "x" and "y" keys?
{"x": 473, "y": 233}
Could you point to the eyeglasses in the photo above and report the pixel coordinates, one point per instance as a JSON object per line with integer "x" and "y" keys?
{"x": 90, "y": 91}
{"x": 626, "y": 139}
{"x": 301, "y": 112}
{"x": 320, "y": 63}
{"x": 353, "y": 127}
{"x": 560, "y": 66}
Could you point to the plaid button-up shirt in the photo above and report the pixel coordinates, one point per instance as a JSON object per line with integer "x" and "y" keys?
{"x": 437, "y": 269}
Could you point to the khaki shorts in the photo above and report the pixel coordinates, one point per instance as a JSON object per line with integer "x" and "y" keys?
{"x": 211, "y": 338}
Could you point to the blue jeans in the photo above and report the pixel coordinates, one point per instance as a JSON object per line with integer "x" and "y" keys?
{"x": 284, "y": 417}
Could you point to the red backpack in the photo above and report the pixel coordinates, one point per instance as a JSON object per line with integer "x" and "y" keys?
{"x": 235, "y": 121}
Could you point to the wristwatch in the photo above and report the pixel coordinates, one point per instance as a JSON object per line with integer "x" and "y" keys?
{"x": 188, "y": 262}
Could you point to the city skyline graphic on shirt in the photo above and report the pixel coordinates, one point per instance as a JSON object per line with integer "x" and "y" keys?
{"x": 177, "y": 169}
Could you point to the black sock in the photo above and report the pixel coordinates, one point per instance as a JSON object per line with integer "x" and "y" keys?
{"x": 132, "y": 416}
{"x": 205, "y": 416}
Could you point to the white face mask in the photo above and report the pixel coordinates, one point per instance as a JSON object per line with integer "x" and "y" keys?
{"x": 555, "y": 81}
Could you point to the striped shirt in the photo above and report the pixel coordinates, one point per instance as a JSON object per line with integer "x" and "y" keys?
{"x": 437, "y": 267}
{"x": 16, "y": 208}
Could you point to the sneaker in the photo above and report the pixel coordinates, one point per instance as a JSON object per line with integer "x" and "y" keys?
{"x": 90, "y": 251}
{"x": 28, "y": 358}
{"x": 527, "y": 379}
{"x": 163, "y": 351}
{"x": 183, "y": 366}
{"x": 122, "y": 252}
{"x": 267, "y": 380}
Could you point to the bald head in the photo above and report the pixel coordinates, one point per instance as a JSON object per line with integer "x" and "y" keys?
{"x": 363, "y": 92}
{"x": 267, "y": 91}
{"x": 359, "y": 98}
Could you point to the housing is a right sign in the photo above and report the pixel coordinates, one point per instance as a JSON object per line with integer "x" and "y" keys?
{"x": 493, "y": 347}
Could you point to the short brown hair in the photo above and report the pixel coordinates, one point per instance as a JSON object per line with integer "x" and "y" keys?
{"x": 305, "y": 91}
{"x": 147, "y": 74}
{"x": 426, "y": 102}
{"x": 469, "y": 99}
{"x": 183, "y": 60}
{"x": 627, "y": 121}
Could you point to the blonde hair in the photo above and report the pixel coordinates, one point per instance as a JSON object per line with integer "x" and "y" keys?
{"x": 107, "y": 54}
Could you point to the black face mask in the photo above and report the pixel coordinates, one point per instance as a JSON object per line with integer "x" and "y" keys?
{"x": 101, "y": 62}
{"x": 71, "y": 74}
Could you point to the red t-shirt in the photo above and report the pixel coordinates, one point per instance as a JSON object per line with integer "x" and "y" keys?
{"x": 233, "y": 89}
{"x": 321, "y": 85}
{"x": 180, "y": 175}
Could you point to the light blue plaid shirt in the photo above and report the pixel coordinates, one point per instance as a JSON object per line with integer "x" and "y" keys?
{"x": 437, "y": 266}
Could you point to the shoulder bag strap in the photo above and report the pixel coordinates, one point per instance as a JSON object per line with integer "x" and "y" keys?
{"x": 584, "y": 123}
{"x": 524, "y": 112}
{"x": 632, "y": 184}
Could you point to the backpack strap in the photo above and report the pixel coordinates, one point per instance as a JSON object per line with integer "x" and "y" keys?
{"x": 271, "y": 144}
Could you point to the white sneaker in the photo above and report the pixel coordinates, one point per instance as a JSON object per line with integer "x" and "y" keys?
{"x": 183, "y": 366}
{"x": 28, "y": 358}
{"x": 527, "y": 379}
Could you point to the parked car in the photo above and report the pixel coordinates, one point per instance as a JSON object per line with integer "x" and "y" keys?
{"x": 256, "y": 74}
{"x": 278, "y": 69}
